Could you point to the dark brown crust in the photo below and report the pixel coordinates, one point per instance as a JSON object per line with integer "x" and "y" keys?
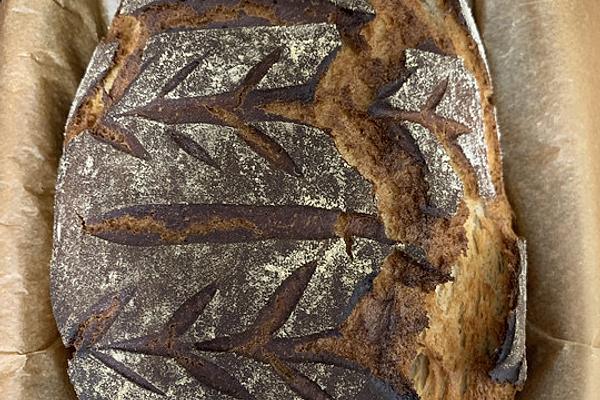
{"x": 203, "y": 13}
{"x": 98, "y": 320}
{"x": 426, "y": 117}
{"x": 125, "y": 372}
{"x": 349, "y": 22}
{"x": 235, "y": 110}
{"x": 381, "y": 333}
{"x": 213, "y": 376}
{"x": 153, "y": 225}
{"x": 257, "y": 342}
{"x": 166, "y": 343}
{"x": 108, "y": 132}
{"x": 192, "y": 148}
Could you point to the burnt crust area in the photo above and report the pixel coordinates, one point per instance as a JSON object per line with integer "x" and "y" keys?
{"x": 384, "y": 330}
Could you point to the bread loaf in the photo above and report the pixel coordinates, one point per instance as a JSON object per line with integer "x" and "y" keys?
{"x": 288, "y": 200}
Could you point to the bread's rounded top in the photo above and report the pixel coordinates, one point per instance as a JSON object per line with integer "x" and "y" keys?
{"x": 263, "y": 199}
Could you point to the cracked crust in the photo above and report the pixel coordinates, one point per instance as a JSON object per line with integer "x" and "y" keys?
{"x": 231, "y": 142}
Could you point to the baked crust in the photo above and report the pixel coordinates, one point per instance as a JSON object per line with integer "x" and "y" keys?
{"x": 301, "y": 192}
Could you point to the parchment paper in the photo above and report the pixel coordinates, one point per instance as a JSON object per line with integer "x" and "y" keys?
{"x": 545, "y": 60}
{"x": 44, "y": 49}
{"x": 545, "y": 68}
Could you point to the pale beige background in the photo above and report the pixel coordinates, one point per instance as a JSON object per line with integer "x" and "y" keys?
{"x": 44, "y": 49}
{"x": 545, "y": 60}
{"x": 546, "y": 70}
